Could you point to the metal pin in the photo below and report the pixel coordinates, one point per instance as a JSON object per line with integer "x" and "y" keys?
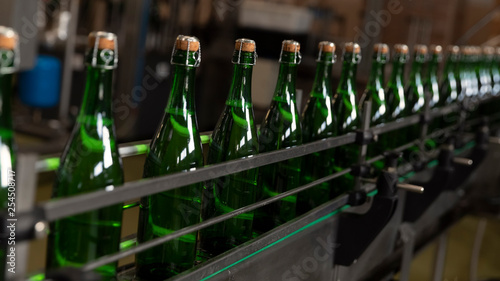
{"x": 367, "y": 180}
{"x": 463, "y": 161}
{"x": 411, "y": 187}
{"x": 41, "y": 229}
{"x": 495, "y": 140}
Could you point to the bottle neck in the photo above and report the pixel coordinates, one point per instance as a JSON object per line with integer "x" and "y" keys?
{"x": 240, "y": 94}
{"x": 415, "y": 74}
{"x": 97, "y": 98}
{"x": 181, "y": 101}
{"x": 285, "y": 87}
{"x": 348, "y": 77}
{"x": 376, "y": 80}
{"x": 5, "y": 102}
{"x": 397, "y": 76}
{"x": 450, "y": 65}
{"x": 322, "y": 87}
{"x": 432, "y": 71}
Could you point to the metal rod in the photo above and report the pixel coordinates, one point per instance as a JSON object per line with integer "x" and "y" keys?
{"x": 410, "y": 187}
{"x": 398, "y": 124}
{"x": 365, "y": 125}
{"x": 91, "y": 201}
{"x": 440, "y": 257}
{"x": 69, "y": 51}
{"x": 160, "y": 240}
{"x": 463, "y": 161}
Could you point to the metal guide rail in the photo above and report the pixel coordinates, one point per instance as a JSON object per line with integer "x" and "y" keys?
{"x": 37, "y": 219}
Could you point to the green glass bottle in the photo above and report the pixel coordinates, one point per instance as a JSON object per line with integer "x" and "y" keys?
{"x": 415, "y": 96}
{"x": 234, "y": 137}
{"x": 90, "y": 162}
{"x": 395, "y": 98}
{"x": 495, "y": 72}
{"x": 483, "y": 72}
{"x": 468, "y": 79}
{"x": 431, "y": 88}
{"x": 431, "y": 82}
{"x": 348, "y": 118}
{"x": 176, "y": 147}
{"x": 495, "y": 78}
{"x": 470, "y": 60}
{"x": 465, "y": 83}
{"x": 318, "y": 121}
{"x": 281, "y": 129}
{"x": 450, "y": 88}
{"x": 9, "y": 58}
{"x": 375, "y": 93}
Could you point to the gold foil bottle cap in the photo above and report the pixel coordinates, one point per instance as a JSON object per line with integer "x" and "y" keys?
{"x": 453, "y": 49}
{"x": 245, "y": 45}
{"x": 381, "y": 48}
{"x": 102, "y": 51}
{"x": 9, "y": 46}
{"x": 184, "y": 43}
{"x": 290, "y": 46}
{"x": 8, "y": 38}
{"x": 102, "y": 40}
{"x": 352, "y": 47}
{"x": 401, "y": 49}
{"x": 326, "y": 47}
{"x": 420, "y": 49}
{"x": 436, "y": 49}
{"x": 467, "y": 50}
{"x": 488, "y": 50}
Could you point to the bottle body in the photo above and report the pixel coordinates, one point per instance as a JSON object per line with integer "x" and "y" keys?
{"x": 450, "y": 86}
{"x": 348, "y": 120}
{"x": 415, "y": 96}
{"x": 376, "y": 94}
{"x": 395, "y": 98}
{"x": 176, "y": 147}
{"x": 234, "y": 137}
{"x": 90, "y": 162}
{"x": 319, "y": 122}
{"x": 281, "y": 129}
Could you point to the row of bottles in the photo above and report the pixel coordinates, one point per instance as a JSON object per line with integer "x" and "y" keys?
{"x": 91, "y": 160}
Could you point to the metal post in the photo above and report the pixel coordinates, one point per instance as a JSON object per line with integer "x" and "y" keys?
{"x": 365, "y": 125}
{"x": 408, "y": 238}
{"x": 69, "y": 52}
{"x": 440, "y": 257}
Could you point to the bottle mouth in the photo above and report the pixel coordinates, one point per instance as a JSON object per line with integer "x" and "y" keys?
{"x": 291, "y": 46}
{"x": 381, "y": 52}
{"x": 191, "y": 48}
{"x": 244, "y": 45}
{"x": 326, "y": 47}
{"x": 455, "y": 50}
{"x": 9, "y": 50}
{"x": 102, "y": 50}
{"x": 187, "y": 43}
{"x": 354, "y": 50}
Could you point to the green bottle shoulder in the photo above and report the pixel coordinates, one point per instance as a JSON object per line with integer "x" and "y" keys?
{"x": 235, "y": 135}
